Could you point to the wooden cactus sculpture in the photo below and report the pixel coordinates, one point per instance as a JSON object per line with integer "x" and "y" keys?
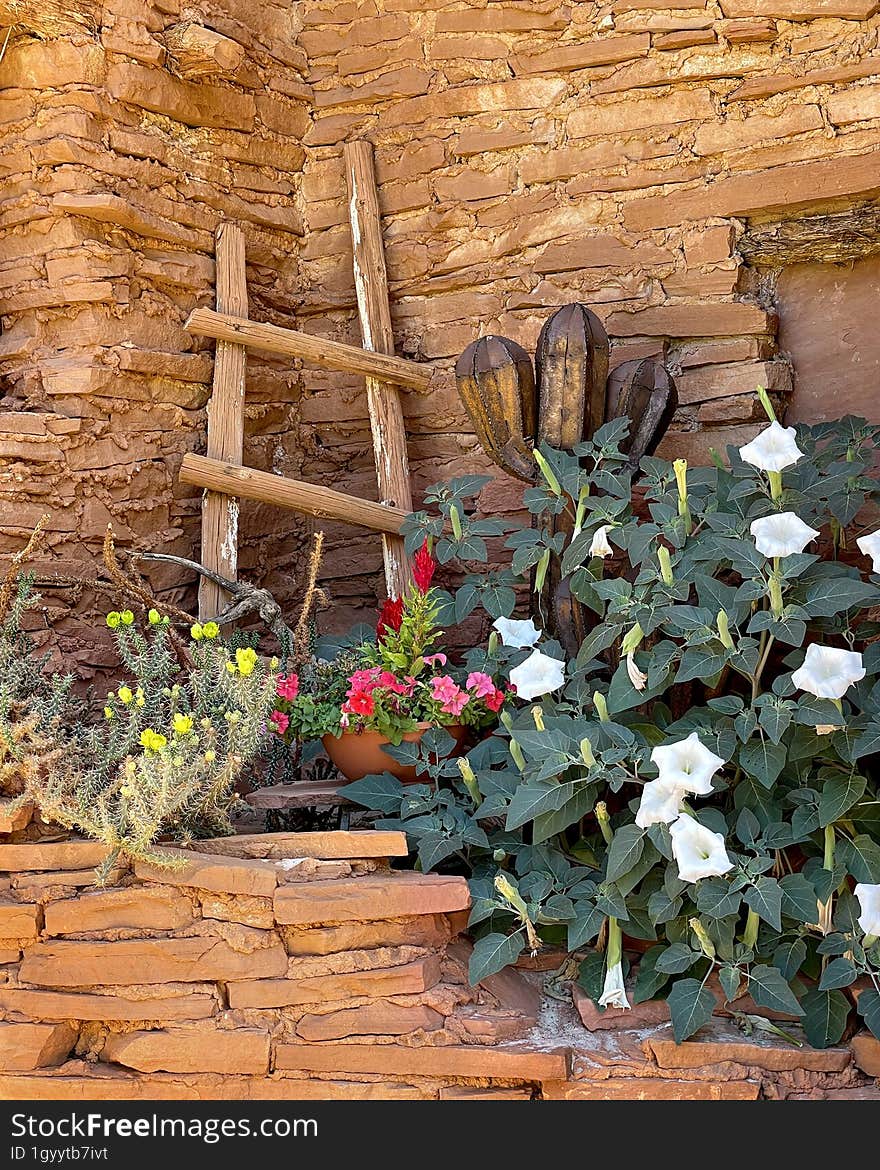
{"x": 496, "y": 383}
{"x": 572, "y": 367}
{"x": 643, "y": 391}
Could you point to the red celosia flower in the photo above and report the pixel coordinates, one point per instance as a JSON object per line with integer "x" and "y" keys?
{"x": 279, "y": 722}
{"x": 287, "y": 686}
{"x": 390, "y": 617}
{"x": 423, "y": 567}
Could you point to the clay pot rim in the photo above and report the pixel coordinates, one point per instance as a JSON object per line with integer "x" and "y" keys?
{"x": 421, "y": 726}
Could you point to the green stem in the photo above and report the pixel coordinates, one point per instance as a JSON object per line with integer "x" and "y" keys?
{"x": 775, "y": 588}
{"x": 765, "y": 648}
{"x": 614, "y": 949}
{"x": 775, "y": 478}
{"x": 750, "y": 934}
{"x": 826, "y": 908}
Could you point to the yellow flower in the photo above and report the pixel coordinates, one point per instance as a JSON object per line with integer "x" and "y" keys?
{"x": 154, "y": 617}
{"x": 108, "y": 712}
{"x": 177, "y": 761}
{"x": 246, "y": 661}
{"x": 183, "y": 724}
{"x": 126, "y": 617}
{"x": 139, "y": 699}
{"x": 210, "y": 630}
{"x": 125, "y": 695}
{"x": 230, "y": 666}
{"x": 210, "y": 756}
{"x": 196, "y": 632}
{"x": 126, "y": 790}
{"x": 273, "y": 663}
{"x": 113, "y": 619}
{"x": 152, "y": 740}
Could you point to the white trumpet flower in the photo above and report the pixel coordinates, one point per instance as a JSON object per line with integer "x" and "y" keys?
{"x": 660, "y": 804}
{"x": 517, "y": 633}
{"x": 614, "y": 991}
{"x": 827, "y": 672}
{"x": 599, "y": 546}
{"x": 538, "y": 675}
{"x": 687, "y": 764}
{"x": 870, "y": 546}
{"x": 773, "y": 450}
{"x": 781, "y": 534}
{"x": 637, "y": 677}
{"x": 698, "y": 852}
{"x": 869, "y": 900}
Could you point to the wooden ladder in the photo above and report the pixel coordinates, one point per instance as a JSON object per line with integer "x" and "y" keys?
{"x": 221, "y": 473}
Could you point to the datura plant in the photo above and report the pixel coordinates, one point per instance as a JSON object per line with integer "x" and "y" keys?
{"x": 690, "y": 805}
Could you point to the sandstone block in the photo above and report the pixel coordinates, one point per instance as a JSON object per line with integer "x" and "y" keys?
{"x": 60, "y": 855}
{"x": 866, "y": 1053}
{"x": 407, "y": 979}
{"x": 466, "y": 1093}
{"x": 508, "y": 1063}
{"x": 718, "y": 137}
{"x": 184, "y": 960}
{"x": 62, "y": 1005}
{"x": 641, "y": 1015}
{"x": 622, "y": 117}
{"x": 856, "y": 104}
{"x": 8, "y": 953}
{"x": 241, "y": 908}
{"x": 19, "y": 919}
{"x": 802, "y": 9}
{"x": 21, "y": 818}
{"x": 207, "y": 871}
{"x": 192, "y": 104}
{"x": 651, "y": 1089}
{"x": 694, "y": 445}
{"x": 737, "y": 349}
{"x": 134, "y": 907}
{"x": 724, "y": 1047}
{"x": 462, "y": 101}
{"x": 711, "y": 382}
{"x": 28, "y": 1046}
{"x": 326, "y": 846}
{"x": 376, "y": 1019}
{"x": 684, "y": 39}
{"x": 741, "y": 32}
{"x": 369, "y": 899}
{"x": 190, "y": 1050}
{"x": 424, "y": 931}
{"x": 708, "y": 320}
{"x": 583, "y": 55}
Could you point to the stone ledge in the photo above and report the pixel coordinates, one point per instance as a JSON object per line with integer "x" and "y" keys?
{"x": 19, "y": 920}
{"x": 63, "y": 1005}
{"x": 134, "y": 907}
{"x": 24, "y": 1047}
{"x": 191, "y": 1050}
{"x": 722, "y": 1048}
{"x": 370, "y": 899}
{"x": 651, "y": 1089}
{"x": 328, "y": 846}
{"x": 465, "y": 1061}
{"x": 216, "y": 872}
{"x": 407, "y": 979}
{"x": 58, "y": 855}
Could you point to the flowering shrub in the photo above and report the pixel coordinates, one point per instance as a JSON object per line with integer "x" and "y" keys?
{"x": 394, "y": 683}
{"x": 703, "y": 775}
{"x": 163, "y": 758}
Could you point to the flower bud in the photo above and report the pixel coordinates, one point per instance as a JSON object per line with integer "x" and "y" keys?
{"x": 665, "y": 565}
{"x": 706, "y": 944}
{"x": 154, "y": 617}
{"x": 587, "y": 753}
{"x": 680, "y": 468}
{"x": 723, "y": 623}
{"x": 632, "y": 639}
{"x": 601, "y": 705}
{"x": 499, "y": 855}
{"x": 470, "y": 780}
{"x": 210, "y": 756}
{"x": 506, "y": 720}
{"x": 195, "y": 632}
{"x": 604, "y": 820}
{"x": 549, "y": 475}
{"x": 516, "y": 753}
{"x": 541, "y": 570}
{"x": 493, "y": 643}
{"x": 127, "y": 617}
{"x": 455, "y": 521}
{"x": 538, "y": 716}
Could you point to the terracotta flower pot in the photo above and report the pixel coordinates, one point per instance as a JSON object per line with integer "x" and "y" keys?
{"x": 358, "y": 754}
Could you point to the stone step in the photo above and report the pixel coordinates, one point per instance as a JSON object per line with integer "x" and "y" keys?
{"x": 467, "y": 1061}
{"x": 208, "y": 871}
{"x": 315, "y": 794}
{"x": 369, "y": 899}
{"x": 53, "y": 855}
{"x": 328, "y": 846}
{"x": 407, "y": 979}
{"x": 64, "y": 1005}
{"x": 131, "y": 908}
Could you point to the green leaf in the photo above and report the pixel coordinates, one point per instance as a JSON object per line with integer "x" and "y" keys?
{"x": 715, "y": 898}
{"x": 691, "y": 1005}
{"x": 591, "y": 975}
{"x": 827, "y": 597}
{"x": 825, "y": 1016}
{"x": 585, "y": 926}
{"x": 769, "y": 989}
{"x": 765, "y": 898}
{"x": 775, "y": 720}
{"x": 798, "y": 898}
{"x": 492, "y": 953}
{"x": 383, "y": 793}
{"x": 861, "y": 858}
{"x": 789, "y": 957}
{"x": 763, "y": 760}
{"x": 435, "y": 846}
{"x": 530, "y": 800}
{"x": 547, "y": 825}
{"x": 868, "y": 1007}
{"x": 704, "y": 662}
{"x": 839, "y": 973}
{"x": 662, "y": 908}
{"x": 729, "y": 978}
{"x": 677, "y": 958}
{"x": 839, "y": 794}
{"x": 624, "y": 851}
{"x": 648, "y": 979}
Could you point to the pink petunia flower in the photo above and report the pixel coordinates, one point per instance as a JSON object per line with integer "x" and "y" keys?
{"x": 435, "y": 659}
{"x": 287, "y": 686}
{"x": 456, "y": 705}
{"x": 279, "y": 722}
{"x": 443, "y": 688}
{"x": 481, "y": 684}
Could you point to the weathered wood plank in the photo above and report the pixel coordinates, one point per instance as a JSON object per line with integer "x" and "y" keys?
{"x": 319, "y": 351}
{"x": 225, "y": 422}
{"x": 308, "y": 498}
{"x": 374, "y": 311}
